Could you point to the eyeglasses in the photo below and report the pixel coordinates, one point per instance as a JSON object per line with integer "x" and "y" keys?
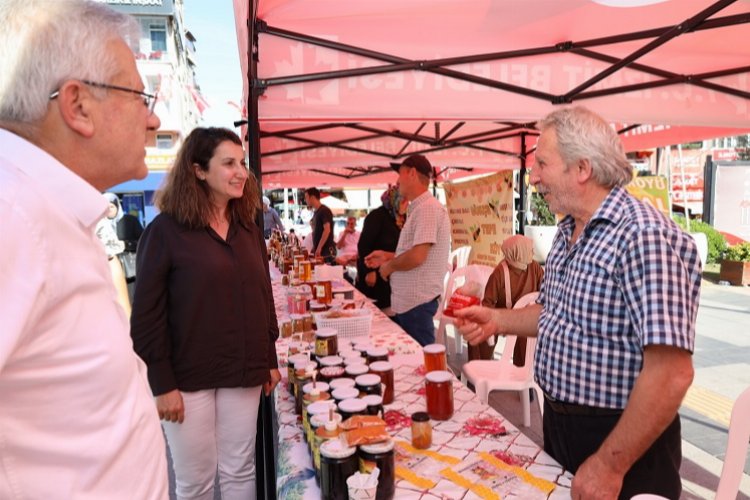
{"x": 149, "y": 100}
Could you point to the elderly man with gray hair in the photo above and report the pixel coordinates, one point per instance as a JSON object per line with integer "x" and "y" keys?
{"x": 77, "y": 419}
{"x": 615, "y": 317}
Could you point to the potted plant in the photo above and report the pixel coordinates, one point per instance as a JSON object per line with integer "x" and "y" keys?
{"x": 735, "y": 268}
{"x": 541, "y": 228}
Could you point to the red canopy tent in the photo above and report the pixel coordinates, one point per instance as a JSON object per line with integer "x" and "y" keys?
{"x": 336, "y": 91}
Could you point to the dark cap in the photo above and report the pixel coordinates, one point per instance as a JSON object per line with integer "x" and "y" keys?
{"x": 418, "y": 162}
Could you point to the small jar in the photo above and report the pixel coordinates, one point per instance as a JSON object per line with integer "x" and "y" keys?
{"x": 343, "y": 393}
{"x": 339, "y": 383}
{"x": 385, "y": 370}
{"x": 285, "y": 327}
{"x": 353, "y": 358}
{"x": 434, "y": 357}
{"x": 380, "y": 455}
{"x": 331, "y": 361}
{"x": 351, "y": 407}
{"x": 337, "y": 463}
{"x": 322, "y": 291}
{"x": 323, "y": 429}
{"x": 307, "y": 322}
{"x": 317, "y": 408}
{"x": 294, "y": 363}
{"x": 354, "y": 371}
{"x": 362, "y": 347}
{"x": 421, "y": 430}
{"x": 329, "y": 373}
{"x": 298, "y": 324}
{"x": 374, "y": 405}
{"x": 369, "y": 383}
{"x": 377, "y": 354}
{"x": 326, "y": 342}
{"x": 317, "y": 307}
{"x": 439, "y": 394}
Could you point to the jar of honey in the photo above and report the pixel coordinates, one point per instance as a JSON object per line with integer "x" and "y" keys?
{"x": 326, "y": 342}
{"x": 421, "y": 431}
{"x": 384, "y": 369}
{"x": 355, "y": 370}
{"x": 339, "y": 383}
{"x": 342, "y": 393}
{"x": 322, "y": 292}
{"x": 296, "y": 362}
{"x": 439, "y": 394}
{"x": 337, "y": 463}
{"x": 324, "y": 429}
{"x": 377, "y": 354}
{"x": 434, "y": 357}
{"x": 351, "y": 407}
{"x": 374, "y": 405}
{"x": 316, "y": 408}
{"x": 380, "y": 455}
{"x": 369, "y": 383}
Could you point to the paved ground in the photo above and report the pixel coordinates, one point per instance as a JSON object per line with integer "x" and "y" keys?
{"x": 722, "y": 372}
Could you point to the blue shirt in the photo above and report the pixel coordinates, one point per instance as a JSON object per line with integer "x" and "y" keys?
{"x": 631, "y": 279}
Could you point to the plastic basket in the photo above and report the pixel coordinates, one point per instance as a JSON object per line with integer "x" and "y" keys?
{"x": 357, "y": 325}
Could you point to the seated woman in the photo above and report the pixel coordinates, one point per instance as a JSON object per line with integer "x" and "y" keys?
{"x": 524, "y": 276}
{"x": 380, "y": 231}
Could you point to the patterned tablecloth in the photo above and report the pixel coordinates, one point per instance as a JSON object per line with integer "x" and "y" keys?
{"x": 477, "y": 447}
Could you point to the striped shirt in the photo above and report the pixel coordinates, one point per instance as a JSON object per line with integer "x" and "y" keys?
{"x": 426, "y": 222}
{"x": 632, "y": 279}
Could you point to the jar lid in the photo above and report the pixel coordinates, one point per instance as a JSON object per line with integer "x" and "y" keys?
{"x": 357, "y": 369}
{"x": 434, "y": 348}
{"x": 319, "y": 407}
{"x": 377, "y": 351}
{"x": 298, "y": 358}
{"x": 377, "y": 448}
{"x": 381, "y": 366}
{"x": 320, "y": 386}
{"x": 362, "y": 346}
{"x": 351, "y": 405}
{"x": 339, "y": 383}
{"x": 345, "y": 393}
{"x": 302, "y": 362}
{"x": 351, "y": 360}
{"x": 322, "y": 418}
{"x": 420, "y": 416}
{"x": 326, "y": 332}
{"x": 331, "y": 360}
{"x": 333, "y": 372}
{"x": 335, "y": 448}
{"x": 367, "y": 380}
{"x": 439, "y": 376}
{"x": 373, "y": 400}
{"x": 295, "y": 316}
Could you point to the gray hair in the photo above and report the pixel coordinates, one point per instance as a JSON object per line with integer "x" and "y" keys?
{"x": 44, "y": 43}
{"x": 582, "y": 134}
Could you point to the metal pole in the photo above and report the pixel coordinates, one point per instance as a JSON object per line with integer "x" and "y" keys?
{"x": 684, "y": 189}
{"x": 522, "y": 187}
{"x": 253, "y": 127}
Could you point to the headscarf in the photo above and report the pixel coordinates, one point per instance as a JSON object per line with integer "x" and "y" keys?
{"x": 115, "y": 200}
{"x": 518, "y": 251}
{"x": 391, "y": 199}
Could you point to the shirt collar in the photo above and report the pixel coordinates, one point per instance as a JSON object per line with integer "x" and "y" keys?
{"x": 610, "y": 210}
{"x": 65, "y": 189}
{"x": 418, "y": 200}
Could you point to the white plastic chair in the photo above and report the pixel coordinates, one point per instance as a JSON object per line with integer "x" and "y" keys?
{"x": 457, "y": 278}
{"x": 458, "y": 258}
{"x": 737, "y": 442}
{"x": 503, "y": 375}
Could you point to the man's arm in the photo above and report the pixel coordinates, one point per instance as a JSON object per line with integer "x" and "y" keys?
{"x": 342, "y": 239}
{"x": 666, "y": 376}
{"x": 476, "y": 324}
{"x": 323, "y": 238}
{"x": 414, "y": 257}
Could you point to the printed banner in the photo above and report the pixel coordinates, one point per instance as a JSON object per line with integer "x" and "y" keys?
{"x": 481, "y": 213}
{"x": 653, "y": 190}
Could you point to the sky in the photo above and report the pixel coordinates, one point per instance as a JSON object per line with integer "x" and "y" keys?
{"x": 218, "y": 70}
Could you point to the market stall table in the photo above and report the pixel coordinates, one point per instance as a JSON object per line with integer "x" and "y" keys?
{"x": 475, "y": 447}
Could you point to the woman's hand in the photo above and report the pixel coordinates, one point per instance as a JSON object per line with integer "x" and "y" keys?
{"x": 170, "y": 406}
{"x": 269, "y": 386}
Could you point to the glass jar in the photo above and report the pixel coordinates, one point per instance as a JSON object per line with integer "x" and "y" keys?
{"x": 377, "y": 354}
{"x": 339, "y": 383}
{"x": 421, "y": 431}
{"x": 434, "y": 357}
{"x": 351, "y": 407}
{"x": 314, "y": 409}
{"x": 298, "y": 323}
{"x": 337, "y": 463}
{"x": 294, "y": 363}
{"x": 369, "y": 383}
{"x": 323, "y": 429}
{"x": 322, "y": 292}
{"x": 379, "y": 455}
{"x": 305, "y": 271}
{"x": 343, "y": 393}
{"x": 329, "y": 373}
{"x": 384, "y": 369}
{"x": 307, "y": 322}
{"x": 374, "y": 405}
{"x": 326, "y": 342}
{"x": 439, "y": 394}
{"x": 285, "y": 327}
{"x": 354, "y": 371}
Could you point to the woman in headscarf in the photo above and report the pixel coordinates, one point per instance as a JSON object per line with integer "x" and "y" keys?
{"x": 380, "y": 231}
{"x": 106, "y": 228}
{"x": 525, "y": 276}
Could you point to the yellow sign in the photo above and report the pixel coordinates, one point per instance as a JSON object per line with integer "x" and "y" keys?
{"x": 481, "y": 213}
{"x": 159, "y": 162}
{"x": 652, "y": 190}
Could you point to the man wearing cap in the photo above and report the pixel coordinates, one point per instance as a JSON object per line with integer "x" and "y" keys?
{"x": 417, "y": 269}
{"x": 271, "y": 219}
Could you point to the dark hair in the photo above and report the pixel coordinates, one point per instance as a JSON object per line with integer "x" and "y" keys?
{"x": 313, "y": 191}
{"x": 187, "y": 199}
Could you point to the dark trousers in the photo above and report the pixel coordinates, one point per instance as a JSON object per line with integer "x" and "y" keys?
{"x": 571, "y": 439}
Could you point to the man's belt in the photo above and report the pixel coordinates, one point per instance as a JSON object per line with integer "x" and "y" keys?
{"x": 575, "y": 410}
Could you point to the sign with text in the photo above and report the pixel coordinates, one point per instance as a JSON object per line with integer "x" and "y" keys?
{"x": 481, "y": 213}
{"x": 652, "y": 190}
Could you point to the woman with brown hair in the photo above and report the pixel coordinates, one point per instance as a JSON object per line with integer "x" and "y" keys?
{"x": 203, "y": 316}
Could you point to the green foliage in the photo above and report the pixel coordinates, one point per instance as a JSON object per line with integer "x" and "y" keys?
{"x": 739, "y": 252}
{"x": 541, "y": 212}
{"x": 717, "y": 244}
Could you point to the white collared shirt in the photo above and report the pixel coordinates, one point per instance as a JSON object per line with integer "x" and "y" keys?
{"x": 77, "y": 419}
{"x": 426, "y": 222}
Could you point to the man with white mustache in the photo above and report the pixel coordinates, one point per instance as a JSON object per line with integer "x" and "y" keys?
{"x": 615, "y": 318}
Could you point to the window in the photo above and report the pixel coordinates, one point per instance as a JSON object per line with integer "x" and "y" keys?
{"x": 164, "y": 141}
{"x": 154, "y": 41}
